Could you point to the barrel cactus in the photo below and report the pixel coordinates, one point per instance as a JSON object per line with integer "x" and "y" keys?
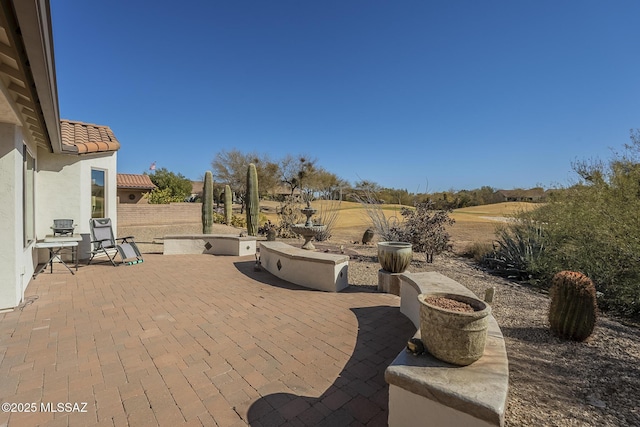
{"x": 252, "y": 200}
{"x": 367, "y": 237}
{"x": 573, "y": 309}
{"x": 228, "y": 201}
{"x": 207, "y": 203}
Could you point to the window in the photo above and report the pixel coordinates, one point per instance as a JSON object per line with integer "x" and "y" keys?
{"x": 28, "y": 196}
{"x": 97, "y": 193}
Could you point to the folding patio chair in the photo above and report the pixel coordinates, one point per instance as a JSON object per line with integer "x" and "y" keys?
{"x": 103, "y": 242}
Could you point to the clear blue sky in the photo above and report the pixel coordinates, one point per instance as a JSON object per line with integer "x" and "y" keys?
{"x": 456, "y": 94}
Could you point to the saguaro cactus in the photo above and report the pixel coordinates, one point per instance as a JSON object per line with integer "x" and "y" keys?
{"x": 252, "y": 200}
{"x": 573, "y": 309}
{"x": 207, "y": 203}
{"x": 228, "y": 200}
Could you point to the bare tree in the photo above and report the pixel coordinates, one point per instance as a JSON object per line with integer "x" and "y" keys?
{"x": 230, "y": 167}
{"x": 296, "y": 172}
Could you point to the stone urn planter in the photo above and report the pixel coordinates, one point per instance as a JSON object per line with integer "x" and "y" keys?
{"x": 453, "y": 336}
{"x": 394, "y": 257}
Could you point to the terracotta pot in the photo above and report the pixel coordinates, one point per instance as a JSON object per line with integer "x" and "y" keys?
{"x": 394, "y": 257}
{"x": 451, "y": 336}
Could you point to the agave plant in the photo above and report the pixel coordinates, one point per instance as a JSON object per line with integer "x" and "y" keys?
{"x": 517, "y": 250}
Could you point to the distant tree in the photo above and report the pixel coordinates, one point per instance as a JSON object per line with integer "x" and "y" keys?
{"x": 324, "y": 184}
{"x": 172, "y": 187}
{"x": 230, "y": 167}
{"x": 396, "y": 196}
{"x": 368, "y": 186}
{"x": 297, "y": 171}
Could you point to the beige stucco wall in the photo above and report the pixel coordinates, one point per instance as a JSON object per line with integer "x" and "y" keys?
{"x": 125, "y": 193}
{"x": 63, "y": 190}
{"x": 16, "y": 260}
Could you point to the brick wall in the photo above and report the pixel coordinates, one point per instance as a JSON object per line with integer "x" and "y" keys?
{"x": 146, "y": 214}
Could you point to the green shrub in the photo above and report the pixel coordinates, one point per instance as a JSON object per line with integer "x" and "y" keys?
{"x": 238, "y": 221}
{"x": 592, "y": 227}
{"x": 478, "y": 251}
{"x": 518, "y": 250}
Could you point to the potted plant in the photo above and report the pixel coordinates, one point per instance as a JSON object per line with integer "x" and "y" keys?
{"x": 454, "y": 327}
{"x": 394, "y": 257}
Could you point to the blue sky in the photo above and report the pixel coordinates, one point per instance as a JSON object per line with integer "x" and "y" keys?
{"x": 420, "y": 95}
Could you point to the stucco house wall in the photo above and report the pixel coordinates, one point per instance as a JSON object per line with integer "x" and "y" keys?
{"x": 17, "y": 262}
{"x": 63, "y": 190}
{"x": 64, "y": 152}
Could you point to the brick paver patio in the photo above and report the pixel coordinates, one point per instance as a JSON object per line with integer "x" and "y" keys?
{"x": 195, "y": 340}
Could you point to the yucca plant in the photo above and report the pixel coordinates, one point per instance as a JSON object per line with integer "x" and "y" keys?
{"x": 518, "y": 249}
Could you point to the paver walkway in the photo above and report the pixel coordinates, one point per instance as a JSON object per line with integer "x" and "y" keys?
{"x": 196, "y": 340}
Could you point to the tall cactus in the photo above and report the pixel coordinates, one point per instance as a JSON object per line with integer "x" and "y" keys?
{"x": 252, "y": 200}
{"x": 207, "y": 203}
{"x": 573, "y": 309}
{"x": 228, "y": 201}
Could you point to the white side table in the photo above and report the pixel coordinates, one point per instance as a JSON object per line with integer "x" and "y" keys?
{"x": 54, "y": 253}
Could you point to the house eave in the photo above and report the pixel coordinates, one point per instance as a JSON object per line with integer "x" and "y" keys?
{"x": 29, "y": 69}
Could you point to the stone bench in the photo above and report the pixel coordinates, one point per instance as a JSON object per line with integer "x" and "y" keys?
{"x": 214, "y": 244}
{"x": 429, "y": 392}
{"x": 315, "y": 270}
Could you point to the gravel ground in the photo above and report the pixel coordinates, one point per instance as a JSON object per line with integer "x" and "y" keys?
{"x": 551, "y": 382}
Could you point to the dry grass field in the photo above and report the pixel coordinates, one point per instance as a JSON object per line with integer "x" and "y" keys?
{"x": 474, "y": 224}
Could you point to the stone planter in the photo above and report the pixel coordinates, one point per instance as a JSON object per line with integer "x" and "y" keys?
{"x": 451, "y": 336}
{"x": 394, "y": 257}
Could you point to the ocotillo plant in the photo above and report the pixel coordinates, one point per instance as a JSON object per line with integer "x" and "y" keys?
{"x": 252, "y": 200}
{"x": 228, "y": 200}
{"x": 573, "y": 309}
{"x": 207, "y": 203}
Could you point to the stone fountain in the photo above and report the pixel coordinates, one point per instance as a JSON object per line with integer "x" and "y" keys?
{"x": 308, "y": 230}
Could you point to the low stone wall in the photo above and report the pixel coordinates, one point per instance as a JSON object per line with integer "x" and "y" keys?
{"x": 425, "y": 390}
{"x": 214, "y": 244}
{"x": 315, "y": 270}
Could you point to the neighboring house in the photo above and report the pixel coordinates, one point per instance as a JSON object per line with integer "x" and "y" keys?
{"x": 49, "y": 168}
{"x": 132, "y": 188}
{"x": 519, "y": 195}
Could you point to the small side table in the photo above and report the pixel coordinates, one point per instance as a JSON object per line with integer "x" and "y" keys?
{"x": 54, "y": 253}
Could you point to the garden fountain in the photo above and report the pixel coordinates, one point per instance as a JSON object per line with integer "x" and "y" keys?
{"x": 308, "y": 230}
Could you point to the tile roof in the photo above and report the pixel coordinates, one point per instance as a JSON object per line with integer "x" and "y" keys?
{"x": 87, "y": 138}
{"x": 128, "y": 180}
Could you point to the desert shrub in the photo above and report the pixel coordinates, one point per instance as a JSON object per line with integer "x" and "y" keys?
{"x": 386, "y": 227}
{"x": 218, "y": 218}
{"x": 425, "y": 228}
{"x": 328, "y": 216}
{"x": 161, "y": 196}
{"x": 288, "y": 214}
{"x": 478, "y": 251}
{"x": 592, "y": 227}
{"x": 518, "y": 251}
{"x": 238, "y": 221}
